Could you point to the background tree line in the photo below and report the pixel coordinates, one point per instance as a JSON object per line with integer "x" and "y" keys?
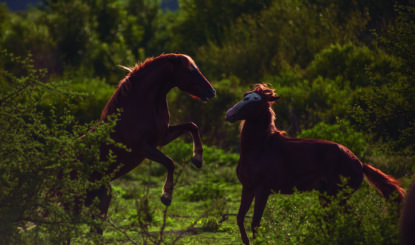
{"x": 344, "y": 70}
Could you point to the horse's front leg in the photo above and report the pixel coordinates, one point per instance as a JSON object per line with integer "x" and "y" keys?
{"x": 178, "y": 130}
{"x": 153, "y": 154}
{"x": 246, "y": 201}
{"x": 261, "y": 198}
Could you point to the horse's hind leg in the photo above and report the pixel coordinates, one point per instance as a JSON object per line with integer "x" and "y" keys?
{"x": 104, "y": 195}
{"x": 178, "y": 130}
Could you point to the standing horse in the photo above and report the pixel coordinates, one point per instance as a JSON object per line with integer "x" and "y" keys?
{"x": 269, "y": 161}
{"x": 144, "y": 121}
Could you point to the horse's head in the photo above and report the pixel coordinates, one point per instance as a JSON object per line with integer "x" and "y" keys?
{"x": 253, "y": 103}
{"x": 187, "y": 77}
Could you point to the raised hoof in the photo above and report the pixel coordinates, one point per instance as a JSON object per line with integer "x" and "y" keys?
{"x": 165, "y": 200}
{"x": 197, "y": 162}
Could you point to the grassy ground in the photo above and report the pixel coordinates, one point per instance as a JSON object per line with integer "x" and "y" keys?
{"x": 191, "y": 218}
{"x": 200, "y": 198}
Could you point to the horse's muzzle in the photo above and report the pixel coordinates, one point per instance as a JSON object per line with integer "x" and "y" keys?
{"x": 230, "y": 119}
{"x": 208, "y": 94}
{"x": 231, "y": 116}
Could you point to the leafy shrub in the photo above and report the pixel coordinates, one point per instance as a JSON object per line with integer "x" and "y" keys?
{"x": 358, "y": 66}
{"x": 88, "y": 99}
{"x": 220, "y": 158}
{"x": 34, "y": 149}
{"x": 348, "y": 61}
{"x": 300, "y": 219}
{"x": 387, "y": 110}
{"x": 305, "y": 103}
{"x": 14, "y": 37}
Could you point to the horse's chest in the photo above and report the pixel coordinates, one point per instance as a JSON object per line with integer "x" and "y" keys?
{"x": 132, "y": 131}
{"x": 244, "y": 176}
{"x": 250, "y": 174}
{"x": 157, "y": 130}
{"x": 260, "y": 171}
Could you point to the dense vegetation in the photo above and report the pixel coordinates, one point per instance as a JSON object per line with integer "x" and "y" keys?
{"x": 344, "y": 71}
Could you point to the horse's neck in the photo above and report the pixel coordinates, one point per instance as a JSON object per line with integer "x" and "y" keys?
{"x": 152, "y": 89}
{"x": 155, "y": 83}
{"x": 256, "y": 132}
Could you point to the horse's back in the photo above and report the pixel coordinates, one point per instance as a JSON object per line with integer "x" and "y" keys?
{"x": 310, "y": 162}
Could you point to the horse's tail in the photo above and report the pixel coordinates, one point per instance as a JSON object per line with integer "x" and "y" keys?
{"x": 387, "y": 185}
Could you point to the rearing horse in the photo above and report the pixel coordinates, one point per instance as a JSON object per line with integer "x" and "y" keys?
{"x": 269, "y": 161}
{"x": 144, "y": 121}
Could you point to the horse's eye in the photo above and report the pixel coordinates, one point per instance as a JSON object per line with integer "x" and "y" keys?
{"x": 246, "y": 99}
{"x": 256, "y": 98}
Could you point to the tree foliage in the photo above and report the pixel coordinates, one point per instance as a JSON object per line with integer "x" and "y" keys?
{"x": 388, "y": 107}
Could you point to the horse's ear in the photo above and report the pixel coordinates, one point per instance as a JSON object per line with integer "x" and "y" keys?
{"x": 274, "y": 98}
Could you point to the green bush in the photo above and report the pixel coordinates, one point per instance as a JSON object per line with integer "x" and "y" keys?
{"x": 305, "y": 103}
{"x": 387, "y": 108}
{"x": 39, "y": 44}
{"x": 88, "y": 99}
{"x": 34, "y": 149}
{"x": 356, "y": 65}
{"x": 300, "y": 219}
{"x": 348, "y": 61}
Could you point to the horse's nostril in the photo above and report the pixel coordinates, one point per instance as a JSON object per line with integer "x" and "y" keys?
{"x": 210, "y": 93}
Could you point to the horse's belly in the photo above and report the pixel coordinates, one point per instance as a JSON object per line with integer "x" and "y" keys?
{"x": 253, "y": 177}
{"x": 126, "y": 165}
{"x": 126, "y": 168}
{"x": 125, "y": 161}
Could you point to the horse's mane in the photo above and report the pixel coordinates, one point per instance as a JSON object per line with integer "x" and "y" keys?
{"x": 267, "y": 92}
{"x": 125, "y": 84}
{"x": 264, "y": 89}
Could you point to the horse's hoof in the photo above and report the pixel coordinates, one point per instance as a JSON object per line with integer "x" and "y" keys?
{"x": 197, "y": 161}
{"x": 165, "y": 200}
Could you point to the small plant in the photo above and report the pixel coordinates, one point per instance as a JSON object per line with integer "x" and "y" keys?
{"x": 204, "y": 190}
{"x": 209, "y": 224}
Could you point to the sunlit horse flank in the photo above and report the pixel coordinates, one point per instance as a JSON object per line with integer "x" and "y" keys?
{"x": 144, "y": 121}
{"x": 270, "y": 161}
